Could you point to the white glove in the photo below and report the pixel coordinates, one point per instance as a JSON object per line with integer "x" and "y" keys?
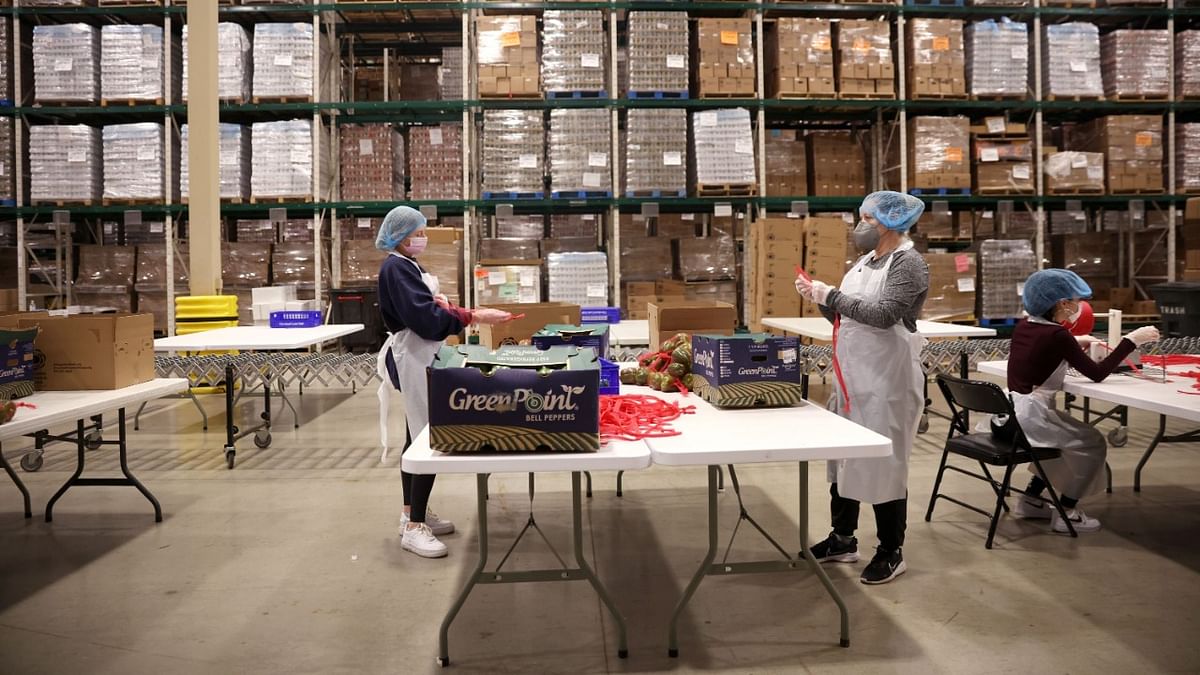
{"x": 1086, "y": 341}
{"x": 820, "y": 291}
{"x": 1143, "y": 335}
{"x": 491, "y": 317}
{"x": 804, "y": 286}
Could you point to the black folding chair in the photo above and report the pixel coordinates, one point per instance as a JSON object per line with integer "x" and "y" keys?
{"x": 964, "y": 397}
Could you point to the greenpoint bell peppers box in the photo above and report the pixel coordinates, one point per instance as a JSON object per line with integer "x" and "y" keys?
{"x": 594, "y": 336}
{"x": 514, "y": 399}
{"x": 752, "y": 370}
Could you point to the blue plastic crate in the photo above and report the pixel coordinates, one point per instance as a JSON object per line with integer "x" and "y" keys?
{"x": 309, "y": 318}
{"x": 599, "y": 315}
{"x": 610, "y": 378}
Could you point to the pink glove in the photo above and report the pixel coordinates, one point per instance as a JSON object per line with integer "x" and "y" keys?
{"x": 491, "y": 317}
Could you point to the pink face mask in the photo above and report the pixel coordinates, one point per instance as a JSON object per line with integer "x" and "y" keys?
{"x": 416, "y": 245}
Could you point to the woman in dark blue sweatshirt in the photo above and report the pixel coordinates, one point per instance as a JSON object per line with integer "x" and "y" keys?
{"x": 418, "y": 319}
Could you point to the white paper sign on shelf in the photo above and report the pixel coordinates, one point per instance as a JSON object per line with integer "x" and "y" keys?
{"x": 1021, "y": 172}
{"x": 672, "y": 158}
{"x": 722, "y": 210}
{"x": 75, "y": 155}
{"x": 363, "y": 223}
{"x": 1095, "y": 172}
{"x": 1019, "y": 53}
{"x": 1079, "y": 66}
{"x": 687, "y": 216}
{"x": 435, "y": 136}
{"x": 995, "y": 125}
{"x": 1020, "y": 288}
{"x": 62, "y": 65}
{"x": 283, "y": 59}
{"x": 708, "y": 119}
{"x": 366, "y": 146}
{"x": 497, "y": 277}
{"x": 848, "y": 218}
{"x": 528, "y": 277}
{"x": 597, "y": 291}
{"x": 156, "y": 228}
{"x": 527, "y": 161}
{"x": 527, "y": 295}
{"x": 591, "y": 179}
{"x": 597, "y": 159}
{"x": 589, "y": 60}
{"x": 966, "y": 284}
{"x": 989, "y": 155}
{"x": 299, "y": 156}
{"x": 743, "y": 147}
{"x": 676, "y": 61}
{"x": 145, "y": 153}
{"x": 1079, "y": 161}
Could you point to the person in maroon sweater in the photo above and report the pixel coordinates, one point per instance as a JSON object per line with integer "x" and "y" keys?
{"x": 1042, "y": 349}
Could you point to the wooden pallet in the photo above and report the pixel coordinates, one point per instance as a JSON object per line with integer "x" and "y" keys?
{"x": 1005, "y": 191}
{"x": 1188, "y": 191}
{"x": 256, "y": 100}
{"x": 224, "y": 200}
{"x": 853, "y": 95}
{"x": 131, "y": 3}
{"x": 306, "y": 199}
{"x": 111, "y": 201}
{"x": 1075, "y": 191}
{"x": 1140, "y": 191}
{"x": 64, "y": 202}
{"x": 998, "y": 97}
{"x": 1187, "y": 97}
{"x": 792, "y": 95}
{"x": 63, "y": 104}
{"x": 117, "y": 103}
{"x": 1069, "y": 4}
{"x": 1139, "y": 98}
{"x": 721, "y": 94}
{"x": 726, "y": 190}
{"x": 503, "y": 97}
{"x": 1077, "y": 99}
{"x": 938, "y": 97}
{"x": 868, "y": 2}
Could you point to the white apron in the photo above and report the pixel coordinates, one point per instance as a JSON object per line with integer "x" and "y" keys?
{"x": 883, "y": 376}
{"x": 1079, "y": 472}
{"x": 413, "y": 354}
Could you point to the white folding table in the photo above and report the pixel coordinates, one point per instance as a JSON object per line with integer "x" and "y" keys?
{"x": 803, "y": 433}
{"x": 1127, "y": 391}
{"x": 419, "y": 458}
{"x": 252, "y": 338}
{"x": 51, "y": 408}
{"x": 819, "y": 328}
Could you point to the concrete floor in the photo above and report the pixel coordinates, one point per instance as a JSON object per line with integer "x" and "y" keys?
{"x": 291, "y": 564}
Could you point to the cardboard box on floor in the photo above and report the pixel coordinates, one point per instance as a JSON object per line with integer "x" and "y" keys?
{"x": 520, "y": 331}
{"x": 690, "y": 317}
{"x": 93, "y": 351}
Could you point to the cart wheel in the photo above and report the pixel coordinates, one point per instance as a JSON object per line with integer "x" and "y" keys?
{"x": 266, "y": 417}
{"x": 93, "y": 440}
{"x": 32, "y": 461}
{"x": 923, "y": 425}
{"x": 262, "y": 439}
{"x": 1118, "y": 437}
{"x": 230, "y": 454}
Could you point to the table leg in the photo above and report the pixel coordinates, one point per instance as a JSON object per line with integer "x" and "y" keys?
{"x": 230, "y": 428}
{"x": 673, "y": 637}
{"x": 129, "y": 480}
{"x": 444, "y": 631}
{"x": 125, "y": 467}
{"x": 812, "y": 562}
{"x": 17, "y": 481}
{"x": 577, "y": 522}
{"x": 79, "y": 448}
{"x": 1137, "y": 473}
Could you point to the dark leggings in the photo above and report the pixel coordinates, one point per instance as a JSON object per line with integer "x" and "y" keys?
{"x": 890, "y": 518}
{"x": 417, "y": 487}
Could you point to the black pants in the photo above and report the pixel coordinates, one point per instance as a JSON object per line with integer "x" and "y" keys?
{"x": 891, "y": 518}
{"x": 417, "y": 487}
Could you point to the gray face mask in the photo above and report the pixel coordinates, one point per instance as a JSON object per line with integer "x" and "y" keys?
{"x": 866, "y": 237}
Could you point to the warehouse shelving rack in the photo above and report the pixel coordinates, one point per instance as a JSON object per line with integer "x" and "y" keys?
{"x": 404, "y": 25}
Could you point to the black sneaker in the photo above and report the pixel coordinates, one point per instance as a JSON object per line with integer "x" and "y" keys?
{"x": 834, "y": 549}
{"x": 885, "y": 566}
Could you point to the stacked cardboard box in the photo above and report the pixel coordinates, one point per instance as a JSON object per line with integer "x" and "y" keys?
{"x": 435, "y": 161}
{"x": 1003, "y": 161}
{"x": 508, "y": 56}
{"x": 723, "y": 147}
{"x": 1191, "y": 240}
{"x": 299, "y": 231}
{"x": 376, "y": 81}
{"x": 951, "y": 286}
{"x": 1187, "y": 64}
{"x": 105, "y": 277}
{"x": 710, "y": 258}
{"x": 443, "y": 258}
{"x": 726, "y": 57}
{"x": 151, "y": 280}
{"x": 579, "y": 146}
{"x": 418, "y": 82}
{"x": 493, "y": 248}
{"x": 1133, "y": 150}
{"x": 1187, "y": 158}
{"x": 295, "y": 264}
{"x": 283, "y": 61}
{"x": 1074, "y": 172}
{"x": 787, "y": 163}
{"x": 865, "y": 68}
{"x": 574, "y": 50}
{"x": 656, "y": 153}
{"x": 937, "y": 61}
{"x": 233, "y": 62}
{"x": 519, "y": 227}
{"x": 658, "y": 52}
{"x": 938, "y": 226}
{"x": 1091, "y": 255}
{"x": 998, "y": 58}
{"x": 372, "y": 162}
{"x": 66, "y": 63}
{"x": 828, "y": 251}
{"x": 775, "y": 248}
{"x": 1137, "y": 64}
{"x": 512, "y": 281}
{"x": 638, "y": 295}
{"x": 259, "y": 231}
{"x": 513, "y": 151}
{"x": 839, "y": 165}
{"x": 575, "y": 226}
{"x": 361, "y": 262}
{"x": 801, "y": 58}
{"x": 937, "y": 153}
{"x": 1071, "y": 61}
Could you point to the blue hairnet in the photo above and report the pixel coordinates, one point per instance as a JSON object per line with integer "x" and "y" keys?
{"x": 1045, "y": 288}
{"x": 397, "y": 225}
{"x": 893, "y": 210}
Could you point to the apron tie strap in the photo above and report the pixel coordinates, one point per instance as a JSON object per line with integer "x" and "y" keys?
{"x": 837, "y": 364}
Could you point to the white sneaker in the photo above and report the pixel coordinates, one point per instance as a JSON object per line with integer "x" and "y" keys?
{"x": 1078, "y": 518}
{"x": 436, "y": 524}
{"x": 420, "y": 540}
{"x": 1031, "y": 509}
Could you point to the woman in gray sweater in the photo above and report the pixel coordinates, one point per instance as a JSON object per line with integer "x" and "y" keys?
{"x": 879, "y": 383}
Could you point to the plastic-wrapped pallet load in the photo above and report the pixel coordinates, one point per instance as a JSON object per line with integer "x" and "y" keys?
{"x": 293, "y": 265}
{"x": 298, "y": 231}
{"x": 723, "y": 146}
{"x": 1073, "y": 172}
{"x": 8, "y": 184}
{"x": 951, "y": 286}
{"x": 1187, "y": 64}
{"x": 520, "y": 227}
{"x": 435, "y": 161}
{"x": 245, "y": 265}
{"x": 998, "y": 58}
{"x": 151, "y": 280}
{"x": 1004, "y": 265}
{"x": 1187, "y": 158}
{"x": 1091, "y": 255}
{"x": 787, "y": 163}
{"x": 574, "y": 51}
{"x": 1069, "y": 222}
{"x": 575, "y": 226}
{"x": 450, "y": 74}
{"x": 1000, "y": 3}
{"x": 513, "y": 154}
{"x": 233, "y": 62}
{"x": 1132, "y": 148}
{"x": 105, "y": 277}
{"x": 658, "y": 53}
{"x": 1071, "y": 61}
{"x": 726, "y": 48}
{"x": 443, "y": 258}
{"x": 492, "y": 249}
{"x": 234, "y": 161}
{"x": 281, "y": 159}
{"x": 936, "y": 65}
{"x": 839, "y": 164}
{"x": 360, "y": 264}
{"x": 578, "y": 278}
{"x": 256, "y": 231}
{"x": 938, "y": 156}
{"x": 66, "y": 63}
{"x": 132, "y": 64}
{"x": 866, "y": 68}
{"x": 508, "y": 283}
{"x": 508, "y": 56}
{"x": 133, "y": 162}
{"x": 372, "y": 162}
{"x": 65, "y": 163}
{"x": 579, "y": 145}
{"x": 1137, "y": 64}
{"x": 1002, "y": 165}
{"x": 711, "y": 258}
{"x": 283, "y": 60}
{"x": 656, "y": 153}
{"x": 800, "y": 54}
{"x": 6, "y": 74}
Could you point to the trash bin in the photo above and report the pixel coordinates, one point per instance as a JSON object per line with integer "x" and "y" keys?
{"x": 1179, "y": 305}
